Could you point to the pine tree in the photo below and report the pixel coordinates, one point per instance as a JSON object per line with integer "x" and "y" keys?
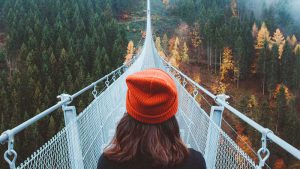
{"x": 262, "y": 64}
{"x": 287, "y": 67}
{"x": 273, "y": 69}
{"x": 240, "y": 67}
{"x": 281, "y": 105}
{"x": 297, "y": 66}
{"x": 97, "y": 65}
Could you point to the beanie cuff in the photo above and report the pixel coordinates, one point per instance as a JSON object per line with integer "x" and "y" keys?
{"x": 139, "y": 116}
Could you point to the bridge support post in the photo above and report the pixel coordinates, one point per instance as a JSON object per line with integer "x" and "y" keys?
{"x": 213, "y": 136}
{"x": 75, "y": 152}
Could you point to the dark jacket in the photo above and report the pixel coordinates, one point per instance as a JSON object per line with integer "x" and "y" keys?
{"x": 194, "y": 161}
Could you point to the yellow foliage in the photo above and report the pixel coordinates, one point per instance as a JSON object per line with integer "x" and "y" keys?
{"x": 278, "y": 39}
{"x": 292, "y": 40}
{"x": 158, "y": 44}
{"x": 130, "y": 51}
{"x": 227, "y": 63}
{"x": 297, "y": 49}
{"x": 234, "y": 8}
{"x": 263, "y": 36}
{"x": 219, "y": 87}
{"x": 166, "y": 3}
{"x": 175, "y": 52}
{"x": 195, "y": 35}
{"x": 185, "y": 54}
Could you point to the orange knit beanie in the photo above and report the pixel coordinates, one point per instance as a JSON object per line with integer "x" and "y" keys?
{"x": 151, "y": 97}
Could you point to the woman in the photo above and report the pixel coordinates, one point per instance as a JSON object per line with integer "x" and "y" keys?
{"x": 147, "y": 137}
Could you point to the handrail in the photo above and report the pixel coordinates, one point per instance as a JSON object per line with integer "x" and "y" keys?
{"x": 280, "y": 142}
{"x": 4, "y": 136}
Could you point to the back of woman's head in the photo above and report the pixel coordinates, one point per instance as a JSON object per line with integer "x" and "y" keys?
{"x": 150, "y": 130}
{"x": 159, "y": 144}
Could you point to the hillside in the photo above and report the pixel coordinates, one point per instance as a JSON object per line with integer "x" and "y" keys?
{"x": 252, "y": 89}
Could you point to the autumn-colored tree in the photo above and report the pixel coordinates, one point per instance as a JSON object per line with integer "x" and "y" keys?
{"x": 219, "y": 87}
{"x": 227, "y": 66}
{"x": 234, "y": 8}
{"x": 130, "y": 50}
{"x": 262, "y": 36}
{"x": 292, "y": 40}
{"x": 175, "y": 50}
{"x": 165, "y": 42}
{"x": 185, "y": 53}
{"x": 158, "y": 44}
{"x": 254, "y": 30}
{"x": 279, "y": 164}
{"x": 166, "y": 3}
{"x": 279, "y": 40}
{"x": 195, "y": 36}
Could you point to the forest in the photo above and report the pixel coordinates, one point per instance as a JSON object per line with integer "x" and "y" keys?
{"x": 52, "y": 47}
{"x": 246, "y": 49}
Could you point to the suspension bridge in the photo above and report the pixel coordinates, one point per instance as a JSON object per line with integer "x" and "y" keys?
{"x": 80, "y": 143}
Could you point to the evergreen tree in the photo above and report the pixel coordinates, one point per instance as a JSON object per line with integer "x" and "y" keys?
{"x": 287, "y": 66}
{"x": 297, "y": 66}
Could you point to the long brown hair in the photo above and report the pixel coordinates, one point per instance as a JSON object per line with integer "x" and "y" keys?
{"x": 160, "y": 144}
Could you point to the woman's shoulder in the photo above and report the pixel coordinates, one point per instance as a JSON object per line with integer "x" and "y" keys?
{"x": 196, "y": 160}
{"x": 104, "y": 163}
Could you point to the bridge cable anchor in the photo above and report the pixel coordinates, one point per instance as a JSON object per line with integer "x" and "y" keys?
{"x": 184, "y": 83}
{"x": 10, "y": 155}
{"x": 107, "y": 82}
{"x": 95, "y": 92}
{"x": 195, "y": 92}
{"x": 263, "y": 153}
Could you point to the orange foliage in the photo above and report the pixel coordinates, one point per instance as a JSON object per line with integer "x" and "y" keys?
{"x": 240, "y": 128}
{"x": 219, "y": 87}
{"x": 279, "y": 164}
{"x": 288, "y": 95}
